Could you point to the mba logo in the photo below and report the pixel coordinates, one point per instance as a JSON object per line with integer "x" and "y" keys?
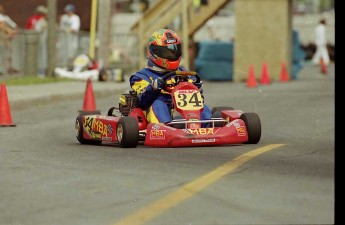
{"x": 157, "y": 134}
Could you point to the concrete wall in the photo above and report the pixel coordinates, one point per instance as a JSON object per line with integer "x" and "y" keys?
{"x": 305, "y": 25}
{"x": 262, "y": 35}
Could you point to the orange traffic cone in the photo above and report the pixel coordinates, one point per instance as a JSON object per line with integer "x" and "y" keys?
{"x": 251, "y": 81}
{"x": 89, "y": 104}
{"x": 5, "y": 112}
{"x": 265, "y": 78}
{"x": 323, "y": 66}
{"x": 284, "y": 76}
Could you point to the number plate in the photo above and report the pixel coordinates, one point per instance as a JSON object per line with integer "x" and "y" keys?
{"x": 188, "y": 99}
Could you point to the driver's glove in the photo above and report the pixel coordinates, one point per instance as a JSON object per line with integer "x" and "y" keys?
{"x": 198, "y": 85}
{"x": 158, "y": 84}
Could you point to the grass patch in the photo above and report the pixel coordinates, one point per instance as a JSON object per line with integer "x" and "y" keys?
{"x": 25, "y": 80}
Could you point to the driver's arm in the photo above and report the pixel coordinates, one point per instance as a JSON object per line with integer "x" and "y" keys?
{"x": 146, "y": 94}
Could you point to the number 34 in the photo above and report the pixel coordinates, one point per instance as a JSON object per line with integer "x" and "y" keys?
{"x": 189, "y": 100}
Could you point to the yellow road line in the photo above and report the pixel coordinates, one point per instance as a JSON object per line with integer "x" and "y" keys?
{"x": 154, "y": 209}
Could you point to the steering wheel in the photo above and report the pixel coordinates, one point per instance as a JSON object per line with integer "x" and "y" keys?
{"x": 180, "y": 76}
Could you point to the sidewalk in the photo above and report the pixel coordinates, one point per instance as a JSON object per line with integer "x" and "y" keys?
{"x": 23, "y": 96}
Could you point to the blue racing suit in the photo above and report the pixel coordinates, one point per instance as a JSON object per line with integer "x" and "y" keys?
{"x": 156, "y": 103}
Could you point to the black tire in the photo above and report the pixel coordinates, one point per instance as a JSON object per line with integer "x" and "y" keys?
{"x": 127, "y": 132}
{"x": 218, "y": 115}
{"x": 220, "y": 108}
{"x": 79, "y": 132}
{"x": 103, "y": 75}
{"x": 253, "y": 125}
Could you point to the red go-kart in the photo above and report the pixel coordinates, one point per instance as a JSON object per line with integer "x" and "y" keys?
{"x": 130, "y": 127}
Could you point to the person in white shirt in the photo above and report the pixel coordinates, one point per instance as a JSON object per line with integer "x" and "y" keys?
{"x": 42, "y": 28}
{"x": 321, "y": 44}
{"x": 70, "y": 26}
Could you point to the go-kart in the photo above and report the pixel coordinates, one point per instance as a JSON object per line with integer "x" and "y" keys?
{"x": 130, "y": 127}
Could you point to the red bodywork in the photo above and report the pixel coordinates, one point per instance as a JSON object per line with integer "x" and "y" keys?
{"x": 160, "y": 135}
{"x": 234, "y": 131}
{"x": 99, "y": 127}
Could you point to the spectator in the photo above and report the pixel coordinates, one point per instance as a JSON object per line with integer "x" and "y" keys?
{"x": 321, "y": 44}
{"x": 70, "y": 26}
{"x": 38, "y": 22}
{"x": 40, "y": 13}
{"x": 8, "y": 30}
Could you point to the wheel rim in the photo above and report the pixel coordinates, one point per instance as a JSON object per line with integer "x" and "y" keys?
{"x": 77, "y": 128}
{"x": 119, "y": 133}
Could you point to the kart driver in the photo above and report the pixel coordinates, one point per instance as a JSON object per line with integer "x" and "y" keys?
{"x": 164, "y": 56}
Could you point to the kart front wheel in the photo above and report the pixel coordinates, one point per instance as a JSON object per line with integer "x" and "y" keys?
{"x": 253, "y": 125}
{"x": 217, "y": 113}
{"x": 127, "y": 132}
{"x": 79, "y": 132}
{"x": 220, "y": 108}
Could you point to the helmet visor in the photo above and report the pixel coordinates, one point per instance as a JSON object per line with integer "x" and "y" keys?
{"x": 169, "y": 52}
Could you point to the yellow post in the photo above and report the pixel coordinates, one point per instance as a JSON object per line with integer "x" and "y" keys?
{"x": 185, "y": 36}
{"x": 142, "y": 44}
{"x": 93, "y": 29}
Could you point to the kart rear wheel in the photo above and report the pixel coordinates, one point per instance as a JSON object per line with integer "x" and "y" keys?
{"x": 79, "y": 132}
{"x": 220, "y": 108}
{"x": 127, "y": 132}
{"x": 253, "y": 125}
{"x": 102, "y": 75}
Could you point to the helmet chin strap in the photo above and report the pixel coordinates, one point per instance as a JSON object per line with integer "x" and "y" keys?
{"x": 153, "y": 67}
{"x": 158, "y": 69}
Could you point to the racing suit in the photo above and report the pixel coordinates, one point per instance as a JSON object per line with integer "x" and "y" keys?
{"x": 156, "y": 103}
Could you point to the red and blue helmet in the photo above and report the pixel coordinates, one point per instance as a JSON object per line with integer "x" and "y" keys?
{"x": 165, "y": 49}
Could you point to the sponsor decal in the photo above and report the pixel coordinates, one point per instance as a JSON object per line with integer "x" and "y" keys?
{"x": 156, "y": 127}
{"x": 194, "y": 125}
{"x": 110, "y": 129}
{"x": 94, "y": 135}
{"x": 187, "y": 91}
{"x": 106, "y": 139}
{"x": 95, "y": 128}
{"x": 201, "y": 131}
{"x": 241, "y": 131}
{"x": 203, "y": 140}
{"x": 234, "y": 122}
{"x": 157, "y": 134}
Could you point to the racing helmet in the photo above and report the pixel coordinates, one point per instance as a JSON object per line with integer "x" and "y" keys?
{"x": 164, "y": 49}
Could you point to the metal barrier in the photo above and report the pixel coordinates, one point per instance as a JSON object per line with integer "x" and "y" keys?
{"x": 123, "y": 53}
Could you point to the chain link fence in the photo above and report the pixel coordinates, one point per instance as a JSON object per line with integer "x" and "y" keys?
{"x": 24, "y": 50}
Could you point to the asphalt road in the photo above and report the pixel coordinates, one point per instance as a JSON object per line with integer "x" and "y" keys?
{"x": 47, "y": 177}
